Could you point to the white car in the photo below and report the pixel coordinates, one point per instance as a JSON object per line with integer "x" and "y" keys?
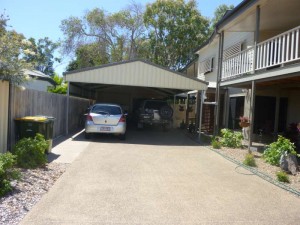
{"x": 106, "y": 118}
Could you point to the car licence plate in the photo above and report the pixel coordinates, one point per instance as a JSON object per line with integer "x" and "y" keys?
{"x": 104, "y": 128}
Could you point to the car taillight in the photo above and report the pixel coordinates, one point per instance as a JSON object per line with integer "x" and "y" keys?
{"x": 89, "y": 118}
{"x": 122, "y": 119}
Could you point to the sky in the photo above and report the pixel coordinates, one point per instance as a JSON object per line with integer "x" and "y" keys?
{"x": 42, "y": 18}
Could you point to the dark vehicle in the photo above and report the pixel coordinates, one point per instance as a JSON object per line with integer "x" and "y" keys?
{"x": 154, "y": 112}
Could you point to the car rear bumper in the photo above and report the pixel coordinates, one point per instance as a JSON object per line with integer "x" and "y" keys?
{"x": 153, "y": 121}
{"x": 90, "y": 127}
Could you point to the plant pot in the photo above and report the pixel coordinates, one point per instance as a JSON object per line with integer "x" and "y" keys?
{"x": 244, "y": 124}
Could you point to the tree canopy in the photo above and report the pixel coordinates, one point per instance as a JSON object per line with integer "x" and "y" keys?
{"x": 61, "y": 86}
{"x": 13, "y": 48}
{"x": 166, "y": 33}
{"x": 219, "y": 13}
{"x": 43, "y": 58}
{"x": 175, "y": 28}
{"x": 18, "y": 53}
{"x": 105, "y": 37}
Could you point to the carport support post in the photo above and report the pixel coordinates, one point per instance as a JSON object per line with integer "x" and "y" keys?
{"x": 174, "y": 111}
{"x": 198, "y": 107}
{"x": 187, "y": 110}
{"x": 67, "y": 109}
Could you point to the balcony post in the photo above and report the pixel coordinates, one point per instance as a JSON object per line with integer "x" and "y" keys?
{"x": 219, "y": 76}
{"x": 256, "y": 37}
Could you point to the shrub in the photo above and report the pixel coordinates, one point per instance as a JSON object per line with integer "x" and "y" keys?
{"x": 282, "y": 177}
{"x": 31, "y": 152}
{"x": 249, "y": 160}
{"x": 231, "y": 139}
{"x": 215, "y": 142}
{"x": 7, "y": 172}
{"x": 276, "y": 149}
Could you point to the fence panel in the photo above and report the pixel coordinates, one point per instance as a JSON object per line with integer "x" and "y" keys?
{"x": 32, "y": 102}
{"x": 4, "y": 93}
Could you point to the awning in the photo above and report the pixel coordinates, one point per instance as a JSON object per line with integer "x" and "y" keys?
{"x": 135, "y": 73}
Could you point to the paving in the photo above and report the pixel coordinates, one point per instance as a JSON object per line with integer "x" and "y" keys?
{"x": 155, "y": 178}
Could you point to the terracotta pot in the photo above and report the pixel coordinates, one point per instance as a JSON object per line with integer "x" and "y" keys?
{"x": 244, "y": 124}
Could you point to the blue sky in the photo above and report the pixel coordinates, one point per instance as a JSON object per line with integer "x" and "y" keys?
{"x": 42, "y": 18}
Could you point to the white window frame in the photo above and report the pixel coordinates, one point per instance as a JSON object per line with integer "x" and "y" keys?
{"x": 232, "y": 50}
{"x": 206, "y": 66}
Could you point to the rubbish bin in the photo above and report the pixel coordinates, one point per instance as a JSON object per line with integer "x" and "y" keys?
{"x": 29, "y": 126}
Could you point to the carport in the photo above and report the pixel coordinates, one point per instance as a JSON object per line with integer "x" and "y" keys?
{"x": 127, "y": 82}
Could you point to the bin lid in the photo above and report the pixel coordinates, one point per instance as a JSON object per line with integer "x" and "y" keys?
{"x": 33, "y": 118}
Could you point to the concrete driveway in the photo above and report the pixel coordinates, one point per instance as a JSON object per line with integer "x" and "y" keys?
{"x": 159, "y": 178}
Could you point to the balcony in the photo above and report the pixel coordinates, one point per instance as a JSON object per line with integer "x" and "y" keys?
{"x": 279, "y": 50}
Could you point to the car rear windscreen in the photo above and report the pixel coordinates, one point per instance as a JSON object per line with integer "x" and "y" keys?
{"x": 106, "y": 109}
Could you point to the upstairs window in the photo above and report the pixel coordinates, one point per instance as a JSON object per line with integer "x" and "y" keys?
{"x": 206, "y": 66}
{"x": 232, "y": 50}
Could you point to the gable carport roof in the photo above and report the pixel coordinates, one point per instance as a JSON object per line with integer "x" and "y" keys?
{"x": 135, "y": 73}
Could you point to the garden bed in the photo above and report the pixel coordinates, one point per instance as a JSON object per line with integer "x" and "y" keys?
{"x": 34, "y": 183}
{"x": 239, "y": 155}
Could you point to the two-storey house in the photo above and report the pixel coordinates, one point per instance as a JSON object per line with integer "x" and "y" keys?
{"x": 252, "y": 64}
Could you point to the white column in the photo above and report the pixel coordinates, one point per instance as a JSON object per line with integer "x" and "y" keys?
{"x": 200, "y": 113}
{"x": 252, "y": 110}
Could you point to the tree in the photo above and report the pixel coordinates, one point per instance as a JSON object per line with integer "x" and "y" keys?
{"x": 3, "y": 23}
{"x": 88, "y": 55}
{"x": 219, "y": 13}
{"x": 43, "y": 59}
{"x": 108, "y": 37}
{"x": 61, "y": 87}
{"x": 175, "y": 28}
{"x": 13, "y": 47}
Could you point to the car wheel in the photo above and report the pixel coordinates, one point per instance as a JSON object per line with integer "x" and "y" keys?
{"x": 87, "y": 135}
{"x": 166, "y": 112}
{"x": 122, "y": 137}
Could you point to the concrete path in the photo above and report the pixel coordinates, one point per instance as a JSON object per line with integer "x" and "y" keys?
{"x": 66, "y": 150}
{"x": 160, "y": 178}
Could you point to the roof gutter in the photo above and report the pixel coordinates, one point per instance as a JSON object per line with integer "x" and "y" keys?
{"x": 235, "y": 12}
{"x": 232, "y": 14}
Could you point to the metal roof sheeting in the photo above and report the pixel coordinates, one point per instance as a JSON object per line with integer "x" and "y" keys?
{"x": 136, "y": 73}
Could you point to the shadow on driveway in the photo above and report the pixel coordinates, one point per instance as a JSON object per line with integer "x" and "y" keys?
{"x": 147, "y": 136}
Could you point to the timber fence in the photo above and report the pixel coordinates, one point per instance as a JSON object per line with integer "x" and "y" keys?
{"x": 31, "y": 102}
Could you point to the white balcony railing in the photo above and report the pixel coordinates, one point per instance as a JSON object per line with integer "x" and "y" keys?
{"x": 283, "y": 48}
{"x": 278, "y": 50}
{"x": 240, "y": 63}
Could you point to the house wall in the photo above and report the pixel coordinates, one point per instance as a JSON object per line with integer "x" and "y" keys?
{"x": 4, "y": 99}
{"x": 208, "y": 52}
{"x": 293, "y": 107}
{"x": 293, "y": 111}
{"x": 191, "y": 71}
{"x": 231, "y": 38}
{"x": 39, "y": 85}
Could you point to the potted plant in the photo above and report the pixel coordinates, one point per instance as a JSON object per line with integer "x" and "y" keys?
{"x": 244, "y": 121}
